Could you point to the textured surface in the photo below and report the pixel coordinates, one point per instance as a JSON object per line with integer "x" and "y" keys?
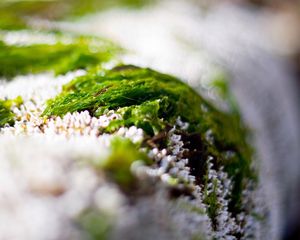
{"x": 112, "y": 150}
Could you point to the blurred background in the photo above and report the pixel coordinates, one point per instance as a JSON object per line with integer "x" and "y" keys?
{"x": 255, "y": 42}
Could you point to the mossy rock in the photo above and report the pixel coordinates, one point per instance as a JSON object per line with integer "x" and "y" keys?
{"x": 153, "y": 101}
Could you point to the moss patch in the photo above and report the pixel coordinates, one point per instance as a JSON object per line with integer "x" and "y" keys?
{"x": 144, "y": 97}
{"x": 153, "y": 101}
{"x": 95, "y": 224}
{"x": 7, "y": 117}
{"x": 117, "y": 165}
{"x": 15, "y": 14}
{"x": 82, "y": 53}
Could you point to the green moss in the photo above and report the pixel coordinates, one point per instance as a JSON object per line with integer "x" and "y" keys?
{"x": 211, "y": 200}
{"x": 153, "y": 101}
{"x": 237, "y": 135}
{"x": 60, "y": 57}
{"x": 144, "y": 97}
{"x": 7, "y": 117}
{"x": 117, "y": 165}
{"x": 192, "y": 208}
{"x": 15, "y": 14}
{"x": 95, "y": 224}
{"x": 199, "y": 236}
{"x": 220, "y": 83}
{"x": 11, "y": 21}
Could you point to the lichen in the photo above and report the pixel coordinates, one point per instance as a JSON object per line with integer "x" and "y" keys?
{"x": 82, "y": 53}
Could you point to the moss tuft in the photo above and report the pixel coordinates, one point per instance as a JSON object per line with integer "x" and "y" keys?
{"x": 15, "y": 14}
{"x": 95, "y": 224}
{"x": 117, "y": 165}
{"x": 144, "y": 97}
{"x": 7, "y": 117}
{"x": 82, "y": 53}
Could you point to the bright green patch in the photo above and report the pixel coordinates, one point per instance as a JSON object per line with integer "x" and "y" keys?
{"x": 82, "y": 53}
{"x": 144, "y": 97}
{"x": 6, "y": 115}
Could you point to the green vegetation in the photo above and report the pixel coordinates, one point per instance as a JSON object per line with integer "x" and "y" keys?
{"x": 15, "y": 14}
{"x": 117, "y": 165}
{"x": 6, "y": 115}
{"x": 211, "y": 200}
{"x": 187, "y": 206}
{"x": 152, "y": 101}
{"x": 144, "y": 97}
{"x": 82, "y": 53}
{"x": 238, "y": 147}
{"x": 95, "y": 224}
{"x": 221, "y": 84}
